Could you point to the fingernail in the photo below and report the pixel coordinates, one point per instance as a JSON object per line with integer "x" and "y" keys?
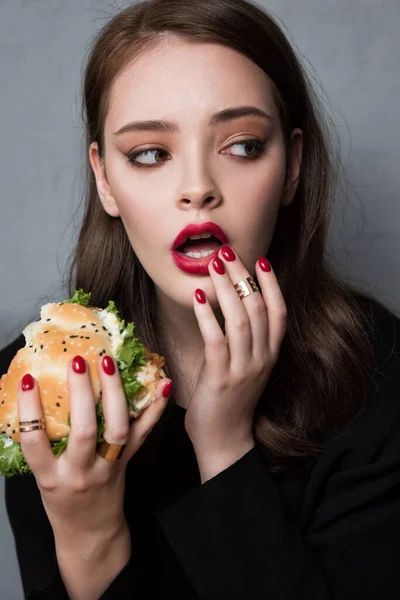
{"x": 218, "y": 266}
{"x": 27, "y": 383}
{"x": 264, "y": 264}
{"x": 108, "y": 365}
{"x": 228, "y": 253}
{"x": 79, "y": 364}
{"x": 167, "y": 389}
{"x": 200, "y": 296}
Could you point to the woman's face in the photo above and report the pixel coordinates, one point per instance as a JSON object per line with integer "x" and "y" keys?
{"x": 198, "y": 172}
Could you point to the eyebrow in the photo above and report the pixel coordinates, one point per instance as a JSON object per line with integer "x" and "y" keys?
{"x": 228, "y": 114}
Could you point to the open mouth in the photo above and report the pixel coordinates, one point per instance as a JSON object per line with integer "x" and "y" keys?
{"x": 200, "y": 248}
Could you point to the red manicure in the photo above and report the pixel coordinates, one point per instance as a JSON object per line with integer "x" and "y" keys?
{"x": 264, "y": 264}
{"x": 218, "y": 266}
{"x": 200, "y": 296}
{"x": 228, "y": 253}
{"x": 108, "y": 365}
{"x": 79, "y": 364}
{"x": 27, "y": 383}
{"x": 167, "y": 390}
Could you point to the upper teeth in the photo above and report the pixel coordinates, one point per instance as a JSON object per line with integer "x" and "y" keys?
{"x": 202, "y": 235}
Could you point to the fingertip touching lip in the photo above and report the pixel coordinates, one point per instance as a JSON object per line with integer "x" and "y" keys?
{"x": 197, "y": 229}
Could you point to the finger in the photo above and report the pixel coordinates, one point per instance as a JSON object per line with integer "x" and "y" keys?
{"x": 216, "y": 351}
{"x": 35, "y": 445}
{"x": 143, "y": 425}
{"x": 276, "y": 306}
{"x": 81, "y": 448}
{"x": 254, "y": 303}
{"x": 237, "y": 319}
{"x": 115, "y": 406}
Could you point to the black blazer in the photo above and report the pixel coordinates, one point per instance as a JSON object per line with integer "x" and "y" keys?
{"x": 328, "y": 531}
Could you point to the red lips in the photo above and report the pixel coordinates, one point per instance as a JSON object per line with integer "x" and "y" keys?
{"x": 197, "y": 229}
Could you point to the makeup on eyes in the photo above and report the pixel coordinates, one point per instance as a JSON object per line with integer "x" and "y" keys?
{"x": 258, "y": 145}
{"x": 228, "y": 136}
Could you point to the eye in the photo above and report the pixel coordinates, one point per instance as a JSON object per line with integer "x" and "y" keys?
{"x": 258, "y": 148}
{"x": 132, "y": 158}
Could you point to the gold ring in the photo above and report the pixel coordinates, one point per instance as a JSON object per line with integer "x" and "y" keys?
{"x": 110, "y": 451}
{"x": 33, "y": 425}
{"x": 245, "y": 289}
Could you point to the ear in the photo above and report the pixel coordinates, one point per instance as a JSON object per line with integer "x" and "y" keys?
{"x": 293, "y": 166}
{"x": 103, "y": 189}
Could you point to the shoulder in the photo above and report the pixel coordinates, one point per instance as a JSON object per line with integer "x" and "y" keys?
{"x": 377, "y": 434}
{"x": 384, "y": 329}
{"x": 8, "y": 353}
{"x": 385, "y": 326}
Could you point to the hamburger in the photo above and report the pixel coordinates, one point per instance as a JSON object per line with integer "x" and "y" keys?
{"x": 64, "y": 330}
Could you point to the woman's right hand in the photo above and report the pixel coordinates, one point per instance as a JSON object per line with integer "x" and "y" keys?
{"x": 82, "y": 493}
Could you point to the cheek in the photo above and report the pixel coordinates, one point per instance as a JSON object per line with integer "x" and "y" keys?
{"x": 259, "y": 213}
{"x": 263, "y": 190}
{"x": 141, "y": 226}
{"x": 146, "y": 230}
{"x": 135, "y": 197}
{"x": 136, "y": 208}
{"x": 263, "y": 179}
{"x": 140, "y": 205}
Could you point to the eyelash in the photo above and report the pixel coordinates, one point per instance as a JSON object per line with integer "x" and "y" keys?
{"x": 260, "y": 146}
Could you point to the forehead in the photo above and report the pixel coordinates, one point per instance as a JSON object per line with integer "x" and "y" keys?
{"x": 181, "y": 80}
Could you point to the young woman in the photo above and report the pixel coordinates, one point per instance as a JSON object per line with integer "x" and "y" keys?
{"x": 272, "y": 471}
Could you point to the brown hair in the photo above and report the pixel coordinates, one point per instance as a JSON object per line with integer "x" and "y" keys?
{"x": 324, "y": 371}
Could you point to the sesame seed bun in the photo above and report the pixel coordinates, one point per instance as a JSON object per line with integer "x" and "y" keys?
{"x": 65, "y": 330}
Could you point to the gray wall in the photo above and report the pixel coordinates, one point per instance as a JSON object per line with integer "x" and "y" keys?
{"x": 354, "y": 48}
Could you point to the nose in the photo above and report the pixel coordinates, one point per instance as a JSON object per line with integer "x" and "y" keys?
{"x": 198, "y": 200}
{"x": 199, "y": 189}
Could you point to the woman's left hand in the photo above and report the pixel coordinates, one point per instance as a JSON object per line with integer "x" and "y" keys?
{"x": 237, "y": 366}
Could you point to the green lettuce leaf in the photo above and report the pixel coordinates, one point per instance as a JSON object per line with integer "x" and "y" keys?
{"x": 12, "y": 461}
{"x": 79, "y": 297}
{"x": 130, "y": 359}
{"x": 112, "y": 308}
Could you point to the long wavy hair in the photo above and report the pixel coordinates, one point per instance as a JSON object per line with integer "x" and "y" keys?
{"x": 325, "y": 368}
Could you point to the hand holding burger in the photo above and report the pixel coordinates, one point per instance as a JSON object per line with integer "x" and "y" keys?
{"x": 67, "y": 330}
{"x": 90, "y": 378}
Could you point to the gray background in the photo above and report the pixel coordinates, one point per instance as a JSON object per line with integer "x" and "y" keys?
{"x": 352, "y": 48}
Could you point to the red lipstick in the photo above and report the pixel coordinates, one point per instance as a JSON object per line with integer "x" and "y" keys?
{"x": 196, "y": 266}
